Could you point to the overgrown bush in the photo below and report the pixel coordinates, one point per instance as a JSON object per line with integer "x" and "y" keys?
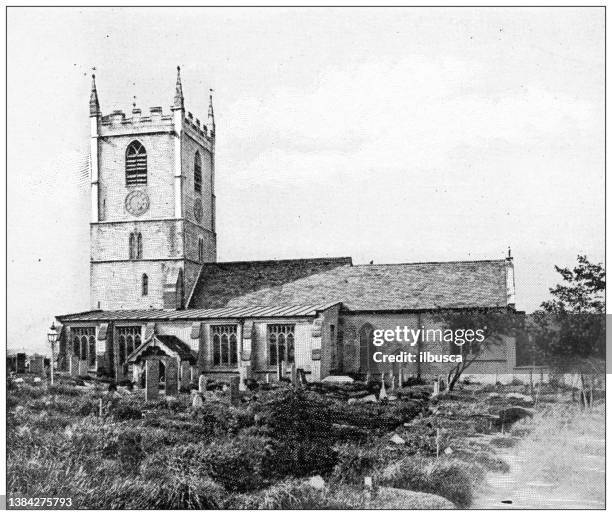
{"x": 453, "y": 480}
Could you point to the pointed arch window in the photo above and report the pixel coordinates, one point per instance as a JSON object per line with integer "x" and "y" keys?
{"x": 145, "y": 285}
{"x": 135, "y": 164}
{"x": 135, "y": 245}
{"x": 132, "y": 246}
{"x": 281, "y": 343}
{"x": 197, "y": 172}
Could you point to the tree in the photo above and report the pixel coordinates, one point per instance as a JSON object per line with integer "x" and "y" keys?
{"x": 493, "y": 323}
{"x": 568, "y": 332}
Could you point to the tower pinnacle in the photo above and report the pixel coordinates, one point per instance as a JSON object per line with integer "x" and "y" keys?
{"x": 179, "y": 100}
{"x": 211, "y": 114}
{"x": 94, "y": 104}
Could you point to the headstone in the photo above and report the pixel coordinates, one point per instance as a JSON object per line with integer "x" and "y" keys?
{"x": 152, "y": 384}
{"x": 436, "y": 388}
{"x": 171, "y": 378}
{"x": 202, "y": 384}
{"x": 401, "y": 378}
{"x": 242, "y": 371}
{"x": 302, "y": 377}
{"x": 21, "y": 362}
{"x": 36, "y": 365}
{"x": 293, "y": 374}
{"x": 83, "y": 368}
{"x": 185, "y": 375}
{"x": 235, "y": 391}
{"x": 383, "y": 391}
{"x": 280, "y": 370}
{"x": 74, "y": 365}
{"x": 392, "y": 382}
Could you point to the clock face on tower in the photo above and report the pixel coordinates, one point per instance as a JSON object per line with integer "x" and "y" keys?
{"x": 197, "y": 209}
{"x": 137, "y": 202}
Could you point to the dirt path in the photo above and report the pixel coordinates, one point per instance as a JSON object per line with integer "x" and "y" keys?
{"x": 548, "y": 474}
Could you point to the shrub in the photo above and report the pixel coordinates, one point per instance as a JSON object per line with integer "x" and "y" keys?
{"x": 453, "y": 480}
{"x": 298, "y": 495}
{"x": 503, "y": 442}
{"x": 300, "y": 424}
{"x": 240, "y": 464}
{"x": 356, "y": 462}
{"x": 126, "y": 412}
{"x": 64, "y": 390}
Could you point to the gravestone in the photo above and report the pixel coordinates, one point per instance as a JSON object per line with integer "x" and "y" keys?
{"x": 36, "y": 365}
{"x": 235, "y": 391}
{"x": 243, "y": 378}
{"x": 401, "y": 377}
{"x": 185, "y": 375}
{"x": 74, "y": 365}
{"x": 83, "y": 368}
{"x": 171, "y": 378}
{"x": 293, "y": 374}
{"x": 21, "y": 363}
{"x": 436, "y": 388}
{"x": 152, "y": 378}
{"x": 202, "y": 384}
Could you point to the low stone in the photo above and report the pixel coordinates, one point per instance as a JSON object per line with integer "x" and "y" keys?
{"x": 448, "y": 451}
{"x": 371, "y": 398}
{"x": 317, "y": 482}
{"x": 396, "y": 439}
{"x": 197, "y": 401}
{"x": 517, "y": 397}
{"x": 37, "y": 380}
{"x": 338, "y": 379}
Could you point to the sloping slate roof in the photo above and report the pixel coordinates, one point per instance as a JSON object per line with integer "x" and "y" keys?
{"x": 407, "y": 286}
{"x": 172, "y": 342}
{"x": 177, "y": 345}
{"x": 198, "y": 313}
{"x": 220, "y": 282}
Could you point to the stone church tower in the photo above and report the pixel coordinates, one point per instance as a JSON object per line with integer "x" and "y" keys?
{"x": 152, "y": 204}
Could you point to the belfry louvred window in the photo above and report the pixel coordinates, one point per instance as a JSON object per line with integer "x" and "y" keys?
{"x": 135, "y": 164}
{"x": 197, "y": 172}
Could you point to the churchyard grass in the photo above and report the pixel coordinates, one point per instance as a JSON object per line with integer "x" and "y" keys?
{"x": 267, "y": 453}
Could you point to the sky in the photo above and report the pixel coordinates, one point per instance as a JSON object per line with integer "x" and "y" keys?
{"x": 392, "y": 134}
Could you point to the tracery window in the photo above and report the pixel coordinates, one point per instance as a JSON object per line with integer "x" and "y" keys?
{"x": 135, "y": 164}
{"x": 281, "y": 343}
{"x": 84, "y": 344}
{"x": 225, "y": 345}
{"x": 128, "y": 339}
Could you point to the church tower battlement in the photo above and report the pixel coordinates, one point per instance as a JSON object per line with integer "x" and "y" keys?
{"x": 152, "y": 204}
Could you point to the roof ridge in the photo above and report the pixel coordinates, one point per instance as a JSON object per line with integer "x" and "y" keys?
{"x": 500, "y": 260}
{"x": 322, "y": 258}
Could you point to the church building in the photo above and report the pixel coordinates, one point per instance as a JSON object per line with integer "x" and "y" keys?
{"x": 157, "y": 288}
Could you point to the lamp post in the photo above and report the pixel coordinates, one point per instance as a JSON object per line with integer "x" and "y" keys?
{"x": 52, "y": 338}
